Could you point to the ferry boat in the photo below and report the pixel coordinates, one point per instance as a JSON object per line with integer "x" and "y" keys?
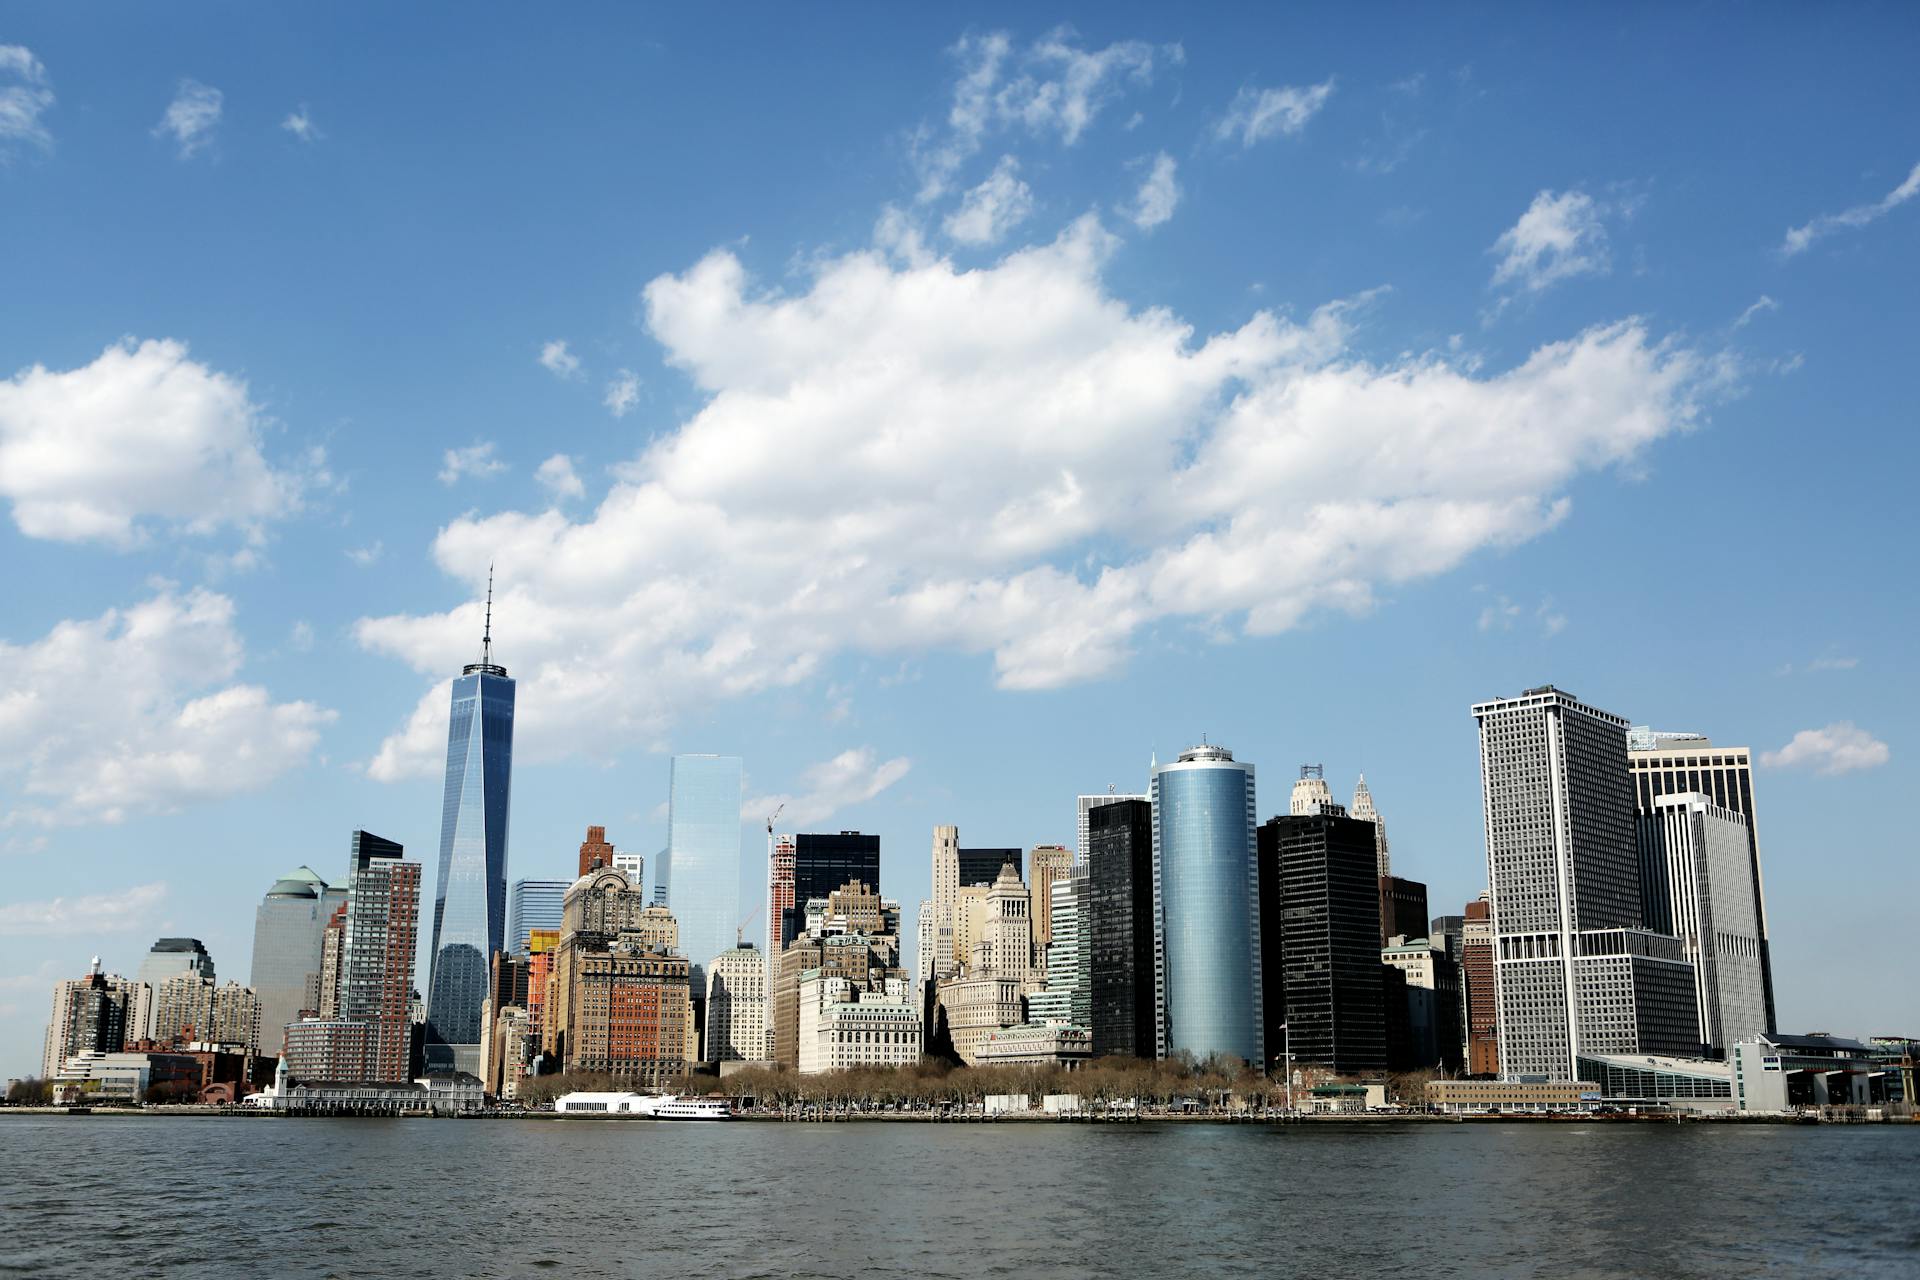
{"x": 662, "y": 1106}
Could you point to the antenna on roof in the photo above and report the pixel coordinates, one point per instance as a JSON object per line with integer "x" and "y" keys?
{"x": 486, "y": 637}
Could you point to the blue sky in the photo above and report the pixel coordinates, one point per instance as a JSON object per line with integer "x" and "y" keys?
{"x": 943, "y": 412}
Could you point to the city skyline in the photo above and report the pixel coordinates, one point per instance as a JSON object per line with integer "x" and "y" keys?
{"x": 229, "y": 665}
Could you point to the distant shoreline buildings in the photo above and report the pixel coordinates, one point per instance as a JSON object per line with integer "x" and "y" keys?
{"x": 1621, "y": 949}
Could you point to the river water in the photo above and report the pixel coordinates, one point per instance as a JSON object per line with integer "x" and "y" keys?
{"x": 157, "y": 1196}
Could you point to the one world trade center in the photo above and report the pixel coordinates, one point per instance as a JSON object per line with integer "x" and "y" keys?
{"x": 470, "y": 902}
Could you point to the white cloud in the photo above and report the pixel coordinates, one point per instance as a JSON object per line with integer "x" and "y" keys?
{"x": 622, "y": 393}
{"x": 1838, "y": 748}
{"x": 1051, "y": 88}
{"x": 299, "y": 123}
{"x": 1259, "y": 114}
{"x": 135, "y": 711}
{"x": 557, "y": 360}
{"x": 1044, "y": 473}
{"x": 93, "y": 913}
{"x": 1558, "y": 237}
{"x": 142, "y": 435}
{"x": 559, "y": 477}
{"x": 475, "y": 460}
{"x": 1503, "y": 614}
{"x": 300, "y": 637}
{"x": 367, "y": 555}
{"x": 1801, "y": 238}
{"x": 1154, "y": 203}
{"x": 993, "y": 208}
{"x": 191, "y": 117}
{"x": 850, "y": 778}
{"x": 1761, "y": 306}
{"x": 25, "y": 96}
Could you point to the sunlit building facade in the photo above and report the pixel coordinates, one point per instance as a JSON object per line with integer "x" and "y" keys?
{"x": 1207, "y": 955}
{"x": 470, "y": 896}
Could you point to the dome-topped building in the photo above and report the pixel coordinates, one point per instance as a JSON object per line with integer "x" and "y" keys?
{"x": 288, "y": 928}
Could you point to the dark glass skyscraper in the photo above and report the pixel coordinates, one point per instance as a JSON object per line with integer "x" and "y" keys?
{"x": 470, "y": 898}
{"x": 822, "y": 863}
{"x": 1320, "y": 939}
{"x": 982, "y": 866}
{"x": 1120, "y": 927}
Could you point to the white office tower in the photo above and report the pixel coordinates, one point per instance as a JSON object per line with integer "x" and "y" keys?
{"x": 1363, "y": 809}
{"x": 1575, "y": 969}
{"x": 1665, "y": 763}
{"x": 946, "y": 897}
{"x": 1311, "y": 794}
{"x": 1085, "y": 805}
{"x": 737, "y": 1005}
{"x": 1696, "y": 878}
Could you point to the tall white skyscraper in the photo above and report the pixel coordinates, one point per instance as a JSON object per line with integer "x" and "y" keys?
{"x": 1363, "y": 809}
{"x": 1696, "y": 880}
{"x": 1664, "y": 763}
{"x": 946, "y": 898}
{"x": 1085, "y": 805}
{"x": 1575, "y": 969}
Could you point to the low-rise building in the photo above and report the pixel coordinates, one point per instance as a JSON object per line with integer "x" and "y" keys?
{"x": 1786, "y": 1073}
{"x": 1331, "y": 1098}
{"x": 1045, "y": 1044}
{"x": 1682, "y": 1084}
{"x": 1508, "y": 1097}
{"x": 93, "y": 1076}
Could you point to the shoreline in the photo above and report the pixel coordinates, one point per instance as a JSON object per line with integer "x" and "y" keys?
{"x": 1673, "y": 1119}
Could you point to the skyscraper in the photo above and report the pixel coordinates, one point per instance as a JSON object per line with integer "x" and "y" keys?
{"x": 1085, "y": 805}
{"x": 595, "y": 851}
{"x": 946, "y": 898}
{"x": 1697, "y": 880}
{"x": 1363, "y": 810}
{"x": 1478, "y": 989}
{"x": 1575, "y": 969}
{"x": 533, "y": 904}
{"x": 780, "y": 860}
{"x": 1310, "y": 792}
{"x": 1403, "y": 906}
{"x": 737, "y": 992}
{"x": 470, "y": 896}
{"x": 289, "y": 927}
{"x": 1069, "y": 995}
{"x": 982, "y": 866}
{"x": 382, "y": 933}
{"x": 1665, "y": 763}
{"x": 1120, "y": 928}
{"x": 89, "y": 1016}
{"x": 1208, "y": 980}
{"x": 168, "y": 958}
{"x": 701, "y": 867}
{"x": 1045, "y": 865}
{"x": 822, "y": 862}
{"x": 1320, "y": 941}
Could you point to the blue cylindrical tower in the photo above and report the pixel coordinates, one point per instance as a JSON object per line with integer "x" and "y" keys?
{"x": 1207, "y": 911}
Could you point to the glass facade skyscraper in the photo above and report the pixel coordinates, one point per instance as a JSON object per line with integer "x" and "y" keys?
{"x": 699, "y": 871}
{"x": 1120, "y": 927}
{"x": 288, "y": 929}
{"x": 822, "y": 862}
{"x": 470, "y": 897}
{"x": 534, "y": 904}
{"x": 1207, "y": 947}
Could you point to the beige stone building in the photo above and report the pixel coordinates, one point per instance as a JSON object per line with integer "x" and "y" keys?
{"x": 1046, "y": 864}
{"x": 842, "y": 1025}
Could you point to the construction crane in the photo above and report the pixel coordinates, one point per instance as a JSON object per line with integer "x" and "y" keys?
{"x": 778, "y": 810}
{"x": 740, "y": 930}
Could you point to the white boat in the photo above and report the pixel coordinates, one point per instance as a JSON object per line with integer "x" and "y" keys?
{"x": 662, "y": 1106}
{"x": 667, "y": 1106}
